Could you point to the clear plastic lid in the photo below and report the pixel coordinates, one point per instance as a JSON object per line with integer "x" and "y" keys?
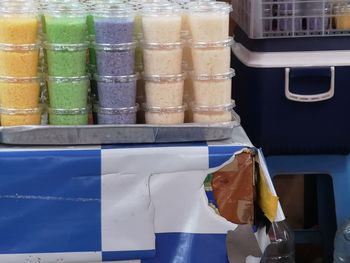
{"x": 219, "y": 44}
{"x": 20, "y": 79}
{"x": 115, "y": 111}
{"x": 19, "y": 48}
{"x": 79, "y": 111}
{"x": 66, "y": 47}
{"x": 115, "y": 47}
{"x": 68, "y": 79}
{"x": 18, "y": 8}
{"x": 177, "y": 45}
{"x": 218, "y": 108}
{"x": 94, "y": 3}
{"x": 341, "y": 8}
{"x": 221, "y": 76}
{"x": 209, "y": 7}
{"x": 161, "y": 9}
{"x": 22, "y": 111}
{"x": 164, "y": 78}
{"x": 114, "y": 10}
{"x": 116, "y": 79}
{"x": 66, "y": 9}
{"x": 177, "y": 109}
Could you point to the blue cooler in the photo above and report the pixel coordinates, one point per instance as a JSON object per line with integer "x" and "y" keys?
{"x": 292, "y": 64}
{"x": 294, "y": 102}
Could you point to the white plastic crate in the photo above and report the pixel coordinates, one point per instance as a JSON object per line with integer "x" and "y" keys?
{"x": 292, "y": 18}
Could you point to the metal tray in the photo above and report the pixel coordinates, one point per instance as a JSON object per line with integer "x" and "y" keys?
{"x": 115, "y": 134}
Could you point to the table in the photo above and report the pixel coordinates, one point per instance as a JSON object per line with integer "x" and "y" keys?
{"x": 115, "y": 202}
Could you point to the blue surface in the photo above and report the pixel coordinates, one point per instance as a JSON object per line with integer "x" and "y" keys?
{"x": 338, "y": 167}
{"x": 280, "y": 126}
{"x": 218, "y": 155}
{"x": 190, "y": 248}
{"x": 50, "y": 202}
{"x": 127, "y": 255}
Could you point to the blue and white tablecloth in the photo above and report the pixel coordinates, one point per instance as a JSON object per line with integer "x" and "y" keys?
{"x": 124, "y": 202}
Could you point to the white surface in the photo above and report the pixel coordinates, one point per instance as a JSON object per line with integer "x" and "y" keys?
{"x": 154, "y": 160}
{"x": 127, "y": 210}
{"x": 291, "y": 59}
{"x": 127, "y": 217}
{"x": 181, "y": 205}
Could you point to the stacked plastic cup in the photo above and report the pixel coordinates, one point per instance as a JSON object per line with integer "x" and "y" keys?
{"x": 115, "y": 60}
{"x": 342, "y": 18}
{"x": 91, "y": 6}
{"x": 162, "y": 58}
{"x": 66, "y": 49}
{"x": 210, "y": 50}
{"x": 19, "y": 61}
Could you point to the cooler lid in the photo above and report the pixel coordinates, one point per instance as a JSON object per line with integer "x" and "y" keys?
{"x": 291, "y": 59}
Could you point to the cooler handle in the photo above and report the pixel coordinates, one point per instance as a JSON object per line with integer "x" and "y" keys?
{"x": 309, "y": 98}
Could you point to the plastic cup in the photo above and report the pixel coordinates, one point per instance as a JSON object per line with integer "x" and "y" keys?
{"x": 164, "y": 90}
{"x": 69, "y": 117}
{"x": 317, "y": 14}
{"x": 211, "y": 58}
{"x": 114, "y": 24}
{"x": 209, "y": 22}
{"x": 66, "y": 25}
{"x": 163, "y": 59}
{"x": 67, "y": 60}
{"x": 212, "y": 114}
{"x": 161, "y": 23}
{"x": 112, "y": 116}
{"x": 68, "y": 93}
{"x": 19, "y": 23}
{"x": 164, "y": 115}
{"x": 19, "y": 93}
{"x": 19, "y": 117}
{"x": 115, "y": 59}
{"x": 211, "y": 90}
{"x": 19, "y": 30}
{"x": 286, "y": 22}
{"x": 342, "y": 18}
{"x": 19, "y": 60}
{"x": 116, "y": 91}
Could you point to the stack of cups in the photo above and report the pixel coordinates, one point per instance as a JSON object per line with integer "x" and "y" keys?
{"x": 115, "y": 59}
{"x": 91, "y": 6}
{"x": 211, "y": 52}
{"x": 19, "y": 61}
{"x": 66, "y": 48}
{"x": 163, "y": 53}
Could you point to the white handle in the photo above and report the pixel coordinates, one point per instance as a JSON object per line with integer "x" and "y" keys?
{"x": 309, "y": 98}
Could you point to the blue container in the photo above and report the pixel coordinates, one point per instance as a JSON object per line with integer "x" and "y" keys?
{"x": 293, "y": 109}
